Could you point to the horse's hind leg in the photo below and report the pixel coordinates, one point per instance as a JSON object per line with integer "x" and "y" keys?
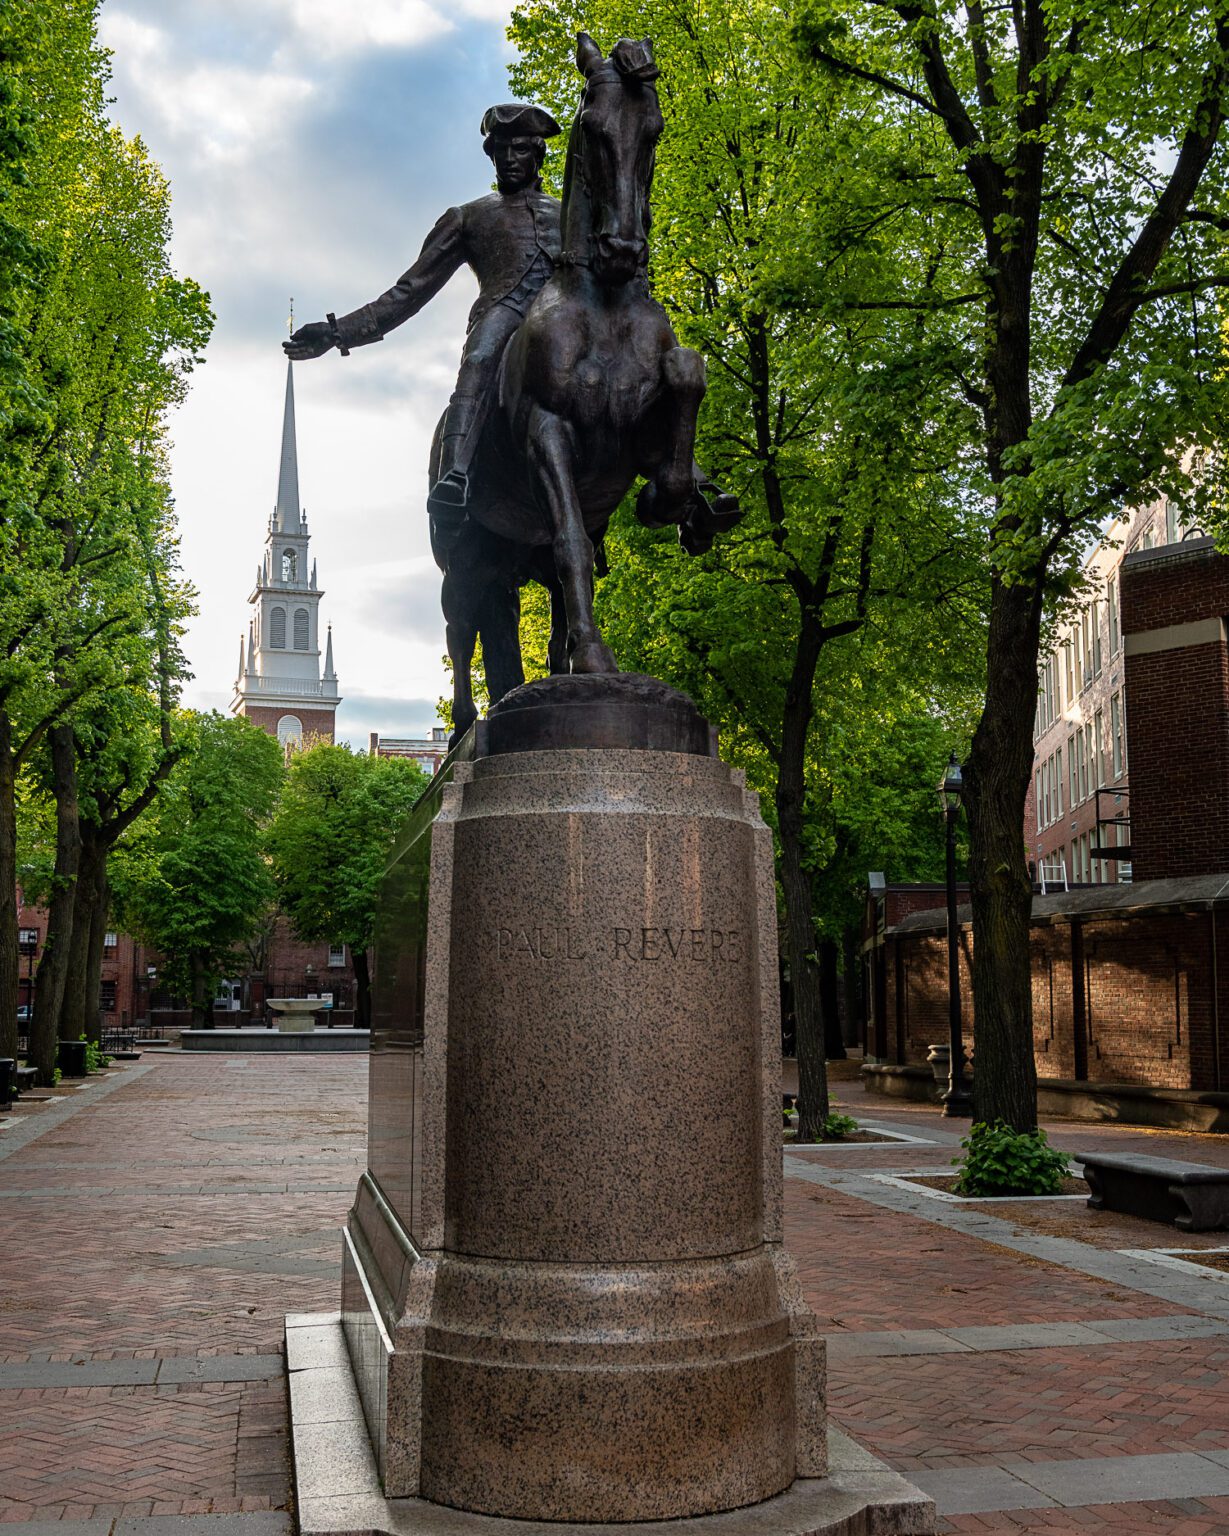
{"x": 461, "y": 634}
{"x": 501, "y": 639}
{"x": 551, "y": 450}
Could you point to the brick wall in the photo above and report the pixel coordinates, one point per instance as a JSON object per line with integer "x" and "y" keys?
{"x": 1177, "y": 686}
{"x": 1148, "y": 1013}
{"x": 316, "y": 723}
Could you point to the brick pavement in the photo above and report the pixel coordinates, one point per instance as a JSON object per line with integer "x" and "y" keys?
{"x": 166, "y": 1225}
{"x": 176, "y": 1219}
{"x": 1121, "y": 1405}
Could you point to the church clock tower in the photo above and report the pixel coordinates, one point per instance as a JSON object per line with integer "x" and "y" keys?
{"x": 280, "y": 686}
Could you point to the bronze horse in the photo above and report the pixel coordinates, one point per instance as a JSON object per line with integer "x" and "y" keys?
{"x": 594, "y": 391}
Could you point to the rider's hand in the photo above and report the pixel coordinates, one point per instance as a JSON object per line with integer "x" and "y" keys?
{"x": 311, "y": 340}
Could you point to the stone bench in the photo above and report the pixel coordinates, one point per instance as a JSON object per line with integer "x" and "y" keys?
{"x": 1193, "y": 1196}
{"x": 25, "y": 1077}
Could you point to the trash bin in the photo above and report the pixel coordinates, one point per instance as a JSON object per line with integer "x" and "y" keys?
{"x": 8, "y": 1080}
{"x": 71, "y": 1058}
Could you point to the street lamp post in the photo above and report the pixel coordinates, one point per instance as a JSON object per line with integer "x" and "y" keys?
{"x": 957, "y": 1101}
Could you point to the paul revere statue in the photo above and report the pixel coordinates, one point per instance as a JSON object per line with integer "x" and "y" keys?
{"x": 509, "y": 240}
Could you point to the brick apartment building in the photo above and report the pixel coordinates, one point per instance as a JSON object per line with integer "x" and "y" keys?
{"x": 1078, "y": 809}
{"x": 1130, "y": 980}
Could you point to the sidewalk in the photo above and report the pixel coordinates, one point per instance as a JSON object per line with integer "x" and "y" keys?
{"x": 1035, "y": 1366}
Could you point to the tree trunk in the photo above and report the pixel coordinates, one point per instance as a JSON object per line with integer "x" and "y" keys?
{"x": 79, "y": 1002}
{"x": 799, "y": 919}
{"x": 202, "y": 1015}
{"x": 54, "y": 965}
{"x": 362, "y": 989}
{"x": 829, "y": 1001}
{"x": 997, "y": 779}
{"x": 8, "y": 892}
{"x": 96, "y": 948}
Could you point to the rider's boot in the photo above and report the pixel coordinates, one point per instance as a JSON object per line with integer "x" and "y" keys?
{"x": 449, "y": 496}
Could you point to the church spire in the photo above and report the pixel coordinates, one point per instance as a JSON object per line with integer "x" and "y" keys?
{"x": 286, "y": 513}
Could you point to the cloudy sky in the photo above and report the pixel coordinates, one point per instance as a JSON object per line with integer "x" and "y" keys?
{"x": 310, "y": 145}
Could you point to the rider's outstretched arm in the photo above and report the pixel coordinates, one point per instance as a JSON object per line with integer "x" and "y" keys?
{"x": 441, "y": 255}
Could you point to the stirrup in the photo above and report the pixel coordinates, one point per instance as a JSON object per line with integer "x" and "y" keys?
{"x": 448, "y": 497}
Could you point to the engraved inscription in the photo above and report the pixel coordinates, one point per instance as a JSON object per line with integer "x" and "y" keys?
{"x": 538, "y": 943}
{"x": 698, "y": 946}
{"x": 703, "y": 945}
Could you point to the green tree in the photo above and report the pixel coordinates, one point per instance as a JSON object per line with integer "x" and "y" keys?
{"x": 97, "y": 338}
{"x": 825, "y": 414}
{"x": 1068, "y": 172}
{"x": 192, "y": 878}
{"x": 336, "y": 820}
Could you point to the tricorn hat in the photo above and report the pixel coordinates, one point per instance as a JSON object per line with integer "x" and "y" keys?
{"x": 515, "y": 120}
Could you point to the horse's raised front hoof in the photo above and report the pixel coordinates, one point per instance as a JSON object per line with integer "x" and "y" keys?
{"x": 652, "y": 509}
{"x": 594, "y": 656}
{"x": 694, "y": 540}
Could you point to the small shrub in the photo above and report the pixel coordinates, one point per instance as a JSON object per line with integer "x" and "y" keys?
{"x": 837, "y": 1127}
{"x": 1000, "y": 1161}
{"x": 95, "y": 1061}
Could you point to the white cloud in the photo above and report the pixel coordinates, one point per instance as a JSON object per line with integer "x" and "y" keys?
{"x": 225, "y": 111}
{"x": 363, "y": 27}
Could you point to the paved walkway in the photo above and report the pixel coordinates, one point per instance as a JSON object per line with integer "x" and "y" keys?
{"x": 1035, "y": 1366}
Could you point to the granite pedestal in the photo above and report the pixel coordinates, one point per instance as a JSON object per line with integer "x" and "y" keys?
{"x": 565, "y": 1293}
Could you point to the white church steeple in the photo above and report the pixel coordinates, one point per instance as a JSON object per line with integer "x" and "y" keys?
{"x": 279, "y": 685}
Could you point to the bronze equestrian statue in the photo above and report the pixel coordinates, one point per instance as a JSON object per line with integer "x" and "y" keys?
{"x": 557, "y": 414}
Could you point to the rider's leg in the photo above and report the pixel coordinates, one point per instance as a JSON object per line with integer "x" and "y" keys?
{"x": 468, "y": 408}
{"x": 665, "y": 498}
{"x": 551, "y": 455}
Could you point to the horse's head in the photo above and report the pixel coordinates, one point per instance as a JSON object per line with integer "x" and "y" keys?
{"x": 613, "y": 143}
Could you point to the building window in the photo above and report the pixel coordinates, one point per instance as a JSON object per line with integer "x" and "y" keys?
{"x": 290, "y": 730}
{"x": 1094, "y": 618}
{"x": 1069, "y": 661}
{"x": 1116, "y": 734}
{"x": 1073, "y": 769}
{"x": 1099, "y": 739}
{"x": 337, "y": 955}
{"x": 1171, "y": 522}
{"x": 289, "y": 565}
{"x": 110, "y": 939}
{"x": 106, "y": 998}
{"x": 1112, "y": 604}
{"x": 277, "y": 628}
{"x": 300, "y": 629}
{"x": 1058, "y": 782}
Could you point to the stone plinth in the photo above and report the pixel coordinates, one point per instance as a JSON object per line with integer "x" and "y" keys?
{"x": 565, "y": 1294}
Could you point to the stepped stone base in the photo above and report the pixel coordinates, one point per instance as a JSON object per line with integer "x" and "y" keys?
{"x": 337, "y": 1487}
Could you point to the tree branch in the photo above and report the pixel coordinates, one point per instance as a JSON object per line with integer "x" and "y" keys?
{"x": 1126, "y": 290}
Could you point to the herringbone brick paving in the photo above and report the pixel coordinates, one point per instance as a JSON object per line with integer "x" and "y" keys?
{"x": 147, "y": 1270}
{"x": 228, "y": 1179}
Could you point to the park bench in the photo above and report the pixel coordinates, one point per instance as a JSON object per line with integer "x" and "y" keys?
{"x": 1193, "y": 1196}
{"x": 25, "y": 1078}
